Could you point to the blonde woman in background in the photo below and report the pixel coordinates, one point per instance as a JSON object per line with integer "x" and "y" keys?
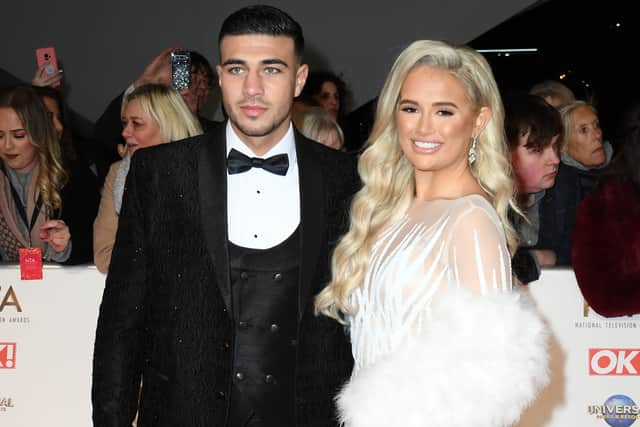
{"x": 423, "y": 278}
{"x": 152, "y": 114}
{"x": 319, "y": 125}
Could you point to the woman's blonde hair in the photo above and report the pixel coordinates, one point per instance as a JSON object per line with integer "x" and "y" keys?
{"x": 318, "y": 120}
{"x": 388, "y": 176}
{"x": 164, "y": 105}
{"x": 34, "y": 116}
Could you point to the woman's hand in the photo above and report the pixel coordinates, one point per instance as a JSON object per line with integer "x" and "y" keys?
{"x": 56, "y": 233}
{"x": 41, "y": 78}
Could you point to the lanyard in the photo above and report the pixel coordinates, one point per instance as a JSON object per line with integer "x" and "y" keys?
{"x": 21, "y": 209}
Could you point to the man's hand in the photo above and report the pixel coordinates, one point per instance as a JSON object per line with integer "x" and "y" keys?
{"x": 158, "y": 71}
{"x": 546, "y": 257}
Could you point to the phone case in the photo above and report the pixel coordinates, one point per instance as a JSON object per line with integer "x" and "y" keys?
{"x": 47, "y": 55}
{"x": 181, "y": 69}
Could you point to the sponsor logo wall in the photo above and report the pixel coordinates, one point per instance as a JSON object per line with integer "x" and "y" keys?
{"x": 595, "y": 361}
{"x": 47, "y": 329}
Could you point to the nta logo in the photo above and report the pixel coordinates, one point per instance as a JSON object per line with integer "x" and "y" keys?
{"x": 9, "y": 300}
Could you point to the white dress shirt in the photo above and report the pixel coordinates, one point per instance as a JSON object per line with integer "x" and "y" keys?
{"x": 263, "y": 209}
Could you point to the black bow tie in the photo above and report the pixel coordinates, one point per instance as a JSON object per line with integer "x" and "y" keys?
{"x": 238, "y": 163}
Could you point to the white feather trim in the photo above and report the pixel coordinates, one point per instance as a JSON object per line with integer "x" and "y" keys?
{"x": 480, "y": 362}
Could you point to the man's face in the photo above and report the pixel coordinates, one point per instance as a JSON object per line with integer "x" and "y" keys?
{"x": 259, "y": 75}
{"x": 196, "y": 95}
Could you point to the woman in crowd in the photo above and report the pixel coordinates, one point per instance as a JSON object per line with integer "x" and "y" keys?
{"x": 606, "y": 242}
{"x": 422, "y": 277}
{"x": 534, "y": 130}
{"x": 39, "y": 206}
{"x": 584, "y": 156}
{"x": 74, "y": 131}
{"x": 319, "y": 125}
{"x": 326, "y": 90}
{"x": 152, "y": 114}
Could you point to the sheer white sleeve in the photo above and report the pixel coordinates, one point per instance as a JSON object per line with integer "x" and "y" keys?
{"x": 477, "y": 251}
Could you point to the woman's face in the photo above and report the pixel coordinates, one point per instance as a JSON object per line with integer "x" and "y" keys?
{"x": 56, "y": 117}
{"x": 436, "y": 121}
{"x": 139, "y": 130}
{"x": 329, "y": 98}
{"x": 16, "y": 149}
{"x": 585, "y": 138}
{"x": 535, "y": 169}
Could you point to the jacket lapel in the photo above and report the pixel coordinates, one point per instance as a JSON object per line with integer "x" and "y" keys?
{"x": 212, "y": 188}
{"x": 312, "y": 217}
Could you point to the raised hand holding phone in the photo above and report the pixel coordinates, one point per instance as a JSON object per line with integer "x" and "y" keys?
{"x": 48, "y": 73}
{"x": 181, "y": 69}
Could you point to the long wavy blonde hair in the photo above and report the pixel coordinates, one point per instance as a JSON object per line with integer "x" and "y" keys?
{"x": 388, "y": 176}
{"x": 34, "y": 116}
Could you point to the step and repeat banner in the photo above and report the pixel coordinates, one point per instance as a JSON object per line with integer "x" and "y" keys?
{"x": 47, "y": 328}
{"x": 595, "y": 361}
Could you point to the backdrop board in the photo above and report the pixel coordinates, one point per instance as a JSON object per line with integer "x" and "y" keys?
{"x": 47, "y": 329}
{"x": 595, "y": 361}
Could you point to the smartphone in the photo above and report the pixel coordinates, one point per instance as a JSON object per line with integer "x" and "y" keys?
{"x": 47, "y": 55}
{"x": 181, "y": 69}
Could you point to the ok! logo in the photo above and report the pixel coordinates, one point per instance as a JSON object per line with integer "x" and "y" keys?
{"x": 614, "y": 361}
{"x": 7, "y": 355}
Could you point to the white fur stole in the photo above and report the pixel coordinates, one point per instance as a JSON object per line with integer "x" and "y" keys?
{"x": 480, "y": 362}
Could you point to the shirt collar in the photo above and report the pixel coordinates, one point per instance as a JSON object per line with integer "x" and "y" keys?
{"x": 285, "y": 146}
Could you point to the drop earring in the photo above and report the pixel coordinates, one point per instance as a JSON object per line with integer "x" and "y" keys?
{"x": 472, "y": 150}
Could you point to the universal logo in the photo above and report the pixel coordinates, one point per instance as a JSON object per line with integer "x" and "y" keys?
{"x": 7, "y": 355}
{"x": 617, "y": 411}
{"x": 5, "y": 403}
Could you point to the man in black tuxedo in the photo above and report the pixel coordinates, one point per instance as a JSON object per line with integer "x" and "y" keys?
{"x": 223, "y": 242}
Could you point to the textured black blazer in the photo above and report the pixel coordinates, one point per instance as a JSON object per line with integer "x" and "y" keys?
{"x": 166, "y": 313}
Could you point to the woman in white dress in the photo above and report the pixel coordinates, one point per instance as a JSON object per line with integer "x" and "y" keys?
{"x": 423, "y": 277}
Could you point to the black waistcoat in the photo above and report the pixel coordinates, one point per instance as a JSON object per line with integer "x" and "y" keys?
{"x": 265, "y": 310}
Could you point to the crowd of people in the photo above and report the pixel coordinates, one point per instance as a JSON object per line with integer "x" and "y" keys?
{"x": 237, "y": 252}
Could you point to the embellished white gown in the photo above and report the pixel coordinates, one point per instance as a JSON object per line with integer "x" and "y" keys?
{"x": 435, "y": 320}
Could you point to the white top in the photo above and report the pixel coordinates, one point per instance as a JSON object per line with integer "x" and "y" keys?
{"x": 435, "y": 245}
{"x": 263, "y": 209}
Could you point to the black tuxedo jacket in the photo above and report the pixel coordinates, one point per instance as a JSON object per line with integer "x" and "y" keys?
{"x": 165, "y": 317}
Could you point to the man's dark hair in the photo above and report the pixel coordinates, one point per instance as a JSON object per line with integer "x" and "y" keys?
{"x": 531, "y": 114}
{"x": 199, "y": 64}
{"x": 264, "y": 20}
